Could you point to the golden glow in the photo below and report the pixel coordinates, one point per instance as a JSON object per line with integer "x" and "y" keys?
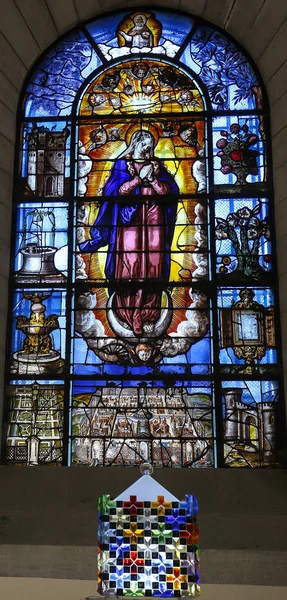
{"x": 133, "y": 94}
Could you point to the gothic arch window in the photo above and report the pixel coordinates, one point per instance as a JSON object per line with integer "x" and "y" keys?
{"x": 143, "y": 286}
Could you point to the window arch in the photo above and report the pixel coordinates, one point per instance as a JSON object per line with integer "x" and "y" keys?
{"x": 144, "y": 284}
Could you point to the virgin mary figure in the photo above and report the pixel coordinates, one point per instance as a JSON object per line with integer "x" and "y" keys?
{"x": 138, "y": 232}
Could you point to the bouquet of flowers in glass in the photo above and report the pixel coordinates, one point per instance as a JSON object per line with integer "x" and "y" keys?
{"x": 236, "y": 154}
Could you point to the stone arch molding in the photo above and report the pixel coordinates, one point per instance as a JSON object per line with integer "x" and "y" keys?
{"x": 127, "y": 44}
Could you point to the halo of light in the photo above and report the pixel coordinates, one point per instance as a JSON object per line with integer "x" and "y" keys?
{"x": 143, "y": 127}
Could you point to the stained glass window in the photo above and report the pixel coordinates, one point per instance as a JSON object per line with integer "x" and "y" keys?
{"x": 144, "y": 299}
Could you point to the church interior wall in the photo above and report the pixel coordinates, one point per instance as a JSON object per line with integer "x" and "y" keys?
{"x": 42, "y": 508}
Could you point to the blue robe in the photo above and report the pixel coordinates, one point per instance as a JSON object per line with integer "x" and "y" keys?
{"x": 113, "y": 214}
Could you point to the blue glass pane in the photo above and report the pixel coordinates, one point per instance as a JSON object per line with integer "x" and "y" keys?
{"x": 224, "y": 69}
{"x": 251, "y": 417}
{"x": 103, "y": 31}
{"x": 125, "y": 33}
{"x": 41, "y": 252}
{"x": 254, "y": 392}
{"x": 243, "y": 246}
{"x": 54, "y": 84}
{"x": 247, "y": 330}
{"x": 175, "y": 27}
{"x": 38, "y": 332}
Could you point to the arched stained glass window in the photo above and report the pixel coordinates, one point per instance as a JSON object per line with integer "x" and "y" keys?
{"x": 144, "y": 289}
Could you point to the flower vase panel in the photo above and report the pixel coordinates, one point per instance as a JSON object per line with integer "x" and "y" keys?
{"x": 243, "y": 240}
{"x": 239, "y": 154}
